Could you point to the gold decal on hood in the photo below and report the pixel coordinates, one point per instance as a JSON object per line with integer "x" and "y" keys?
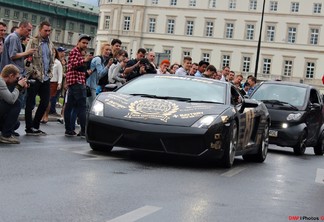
{"x": 152, "y": 109}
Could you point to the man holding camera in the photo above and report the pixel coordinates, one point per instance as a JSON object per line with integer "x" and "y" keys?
{"x": 40, "y": 69}
{"x": 9, "y": 102}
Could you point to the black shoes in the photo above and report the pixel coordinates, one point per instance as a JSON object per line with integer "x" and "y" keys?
{"x": 70, "y": 133}
{"x": 34, "y": 132}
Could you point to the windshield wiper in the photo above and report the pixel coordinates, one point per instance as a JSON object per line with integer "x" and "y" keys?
{"x": 278, "y": 102}
{"x": 204, "y": 101}
{"x": 162, "y": 97}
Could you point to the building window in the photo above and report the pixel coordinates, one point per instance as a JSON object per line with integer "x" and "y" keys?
{"x": 92, "y": 30}
{"x": 155, "y": 2}
{"x": 152, "y": 22}
{"x": 148, "y": 49}
{"x": 7, "y": 13}
{"x": 314, "y": 36}
{"x": 292, "y": 34}
{"x": 16, "y": 15}
{"x": 294, "y": 6}
{"x": 232, "y": 4}
{"x": 229, "y": 30}
{"x": 317, "y": 8}
{"x": 310, "y": 70}
{"x": 107, "y": 22}
{"x": 81, "y": 28}
{"x": 173, "y": 2}
{"x": 171, "y": 23}
{"x": 129, "y": 1}
{"x": 167, "y": 51}
{"x": 190, "y": 27}
{"x": 249, "y": 32}
{"x": 206, "y": 57}
{"x": 288, "y": 64}
{"x": 25, "y": 16}
{"x": 253, "y": 4}
{"x": 266, "y": 66}
{"x": 212, "y": 3}
{"x": 273, "y": 6}
{"x": 34, "y": 19}
{"x": 186, "y": 53}
{"x": 71, "y": 26}
{"x": 192, "y": 3}
{"x": 109, "y": 0}
{"x": 270, "y": 33}
{"x": 226, "y": 60}
{"x": 69, "y": 38}
{"x": 57, "y": 36}
{"x": 246, "y": 64}
{"x": 209, "y": 29}
{"x": 42, "y": 18}
{"x": 59, "y": 23}
{"x": 126, "y": 23}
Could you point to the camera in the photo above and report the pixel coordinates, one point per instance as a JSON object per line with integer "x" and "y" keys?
{"x": 31, "y": 81}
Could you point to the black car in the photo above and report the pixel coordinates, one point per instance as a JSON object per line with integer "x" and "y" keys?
{"x": 180, "y": 115}
{"x": 296, "y": 112}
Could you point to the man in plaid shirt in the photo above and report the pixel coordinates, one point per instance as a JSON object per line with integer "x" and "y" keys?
{"x": 75, "y": 80}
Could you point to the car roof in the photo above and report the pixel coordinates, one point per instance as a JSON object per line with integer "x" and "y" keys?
{"x": 287, "y": 83}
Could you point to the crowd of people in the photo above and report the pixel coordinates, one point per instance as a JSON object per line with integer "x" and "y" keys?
{"x": 36, "y": 68}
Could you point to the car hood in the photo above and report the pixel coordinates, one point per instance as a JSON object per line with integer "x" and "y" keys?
{"x": 157, "y": 111}
{"x": 280, "y": 115}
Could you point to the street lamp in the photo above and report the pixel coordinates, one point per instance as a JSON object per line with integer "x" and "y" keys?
{"x": 259, "y": 43}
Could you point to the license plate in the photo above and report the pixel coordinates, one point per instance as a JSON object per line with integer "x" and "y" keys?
{"x": 273, "y": 133}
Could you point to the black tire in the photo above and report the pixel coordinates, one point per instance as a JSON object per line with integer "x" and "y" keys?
{"x": 99, "y": 147}
{"x": 319, "y": 148}
{"x": 261, "y": 155}
{"x": 300, "y": 147}
{"x": 230, "y": 147}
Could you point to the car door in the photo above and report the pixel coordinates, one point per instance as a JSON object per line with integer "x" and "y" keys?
{"x": 314, "y": 117}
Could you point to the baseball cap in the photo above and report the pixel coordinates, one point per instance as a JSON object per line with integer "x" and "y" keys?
{"x": 61, "y": 49}
{"x": 84, "y": 36}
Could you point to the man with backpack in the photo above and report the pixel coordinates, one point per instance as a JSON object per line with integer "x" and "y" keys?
{"x": 99, "y": 66}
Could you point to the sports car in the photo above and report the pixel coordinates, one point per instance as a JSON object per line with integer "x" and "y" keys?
{"x": 183, "y": 115}
{"x": 296, "y": 112}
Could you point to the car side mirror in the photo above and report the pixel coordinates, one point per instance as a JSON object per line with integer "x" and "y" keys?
{"x": 314, "y": 106}
{"x": 248, "y": 103}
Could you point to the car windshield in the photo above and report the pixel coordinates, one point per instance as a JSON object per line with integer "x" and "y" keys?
{"x": 278, "y": 94}
{"x": 177, "y": 88}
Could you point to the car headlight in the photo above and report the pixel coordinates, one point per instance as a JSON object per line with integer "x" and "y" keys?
{"x": 97, "y": 108}
{"x": 294, "y": 116}
{"x": 205, "y": 121}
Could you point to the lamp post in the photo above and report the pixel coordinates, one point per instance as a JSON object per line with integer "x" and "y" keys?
{"x": 259, "y": 43}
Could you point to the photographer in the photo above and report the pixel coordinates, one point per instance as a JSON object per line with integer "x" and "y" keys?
{"x": 116, "y": 69}
{"x": 9, "y": 103}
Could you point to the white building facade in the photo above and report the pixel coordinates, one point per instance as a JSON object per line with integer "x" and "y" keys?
{"x": 224, "y": 32}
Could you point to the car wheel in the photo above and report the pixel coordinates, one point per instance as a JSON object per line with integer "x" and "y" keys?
{"x": 319, "y": 148}
{"x": 261, "y": 155}
{"x": 99, "y": 147}
{"x": 300, "y": 147}
{"x": 230, "y": 147}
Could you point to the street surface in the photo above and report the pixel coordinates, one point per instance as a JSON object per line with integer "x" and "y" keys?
{"x": 55, "y": 178}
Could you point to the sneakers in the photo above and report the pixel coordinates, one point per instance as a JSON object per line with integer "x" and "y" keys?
{"x": 34, "y": 132}
{"x": 82, "y": 135}
{"x": 9, "y": 140}
{"x": 60, "y": 120}
{"x": 14, "y": 133}
{"x": 70, "y": 133}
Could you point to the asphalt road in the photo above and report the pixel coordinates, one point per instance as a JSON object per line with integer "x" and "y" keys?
{"x": 55, "y": 178}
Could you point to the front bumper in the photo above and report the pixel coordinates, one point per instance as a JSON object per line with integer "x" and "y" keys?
{"x": 158, "y": 138}
{"x": 286, "y": 136}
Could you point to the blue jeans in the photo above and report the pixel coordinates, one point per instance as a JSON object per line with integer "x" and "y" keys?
{"x": 43, "y": 90}
{"x": 76, "y": 102}
{"x": 9, "y": 114}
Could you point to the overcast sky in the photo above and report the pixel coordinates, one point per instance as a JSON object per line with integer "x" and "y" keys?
{"x": 91, "y": 2}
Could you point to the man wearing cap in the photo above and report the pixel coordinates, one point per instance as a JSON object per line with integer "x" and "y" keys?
{"x": 76, "y": 80}
{"x": 39, "y": 69}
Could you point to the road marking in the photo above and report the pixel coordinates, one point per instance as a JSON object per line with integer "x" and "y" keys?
{"x": 136, "y": 214}
{"x": 233, "y": 172}
{"x": 319, "y": 176}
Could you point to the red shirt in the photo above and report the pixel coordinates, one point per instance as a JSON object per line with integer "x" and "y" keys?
{"x": 76, "y": 61}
